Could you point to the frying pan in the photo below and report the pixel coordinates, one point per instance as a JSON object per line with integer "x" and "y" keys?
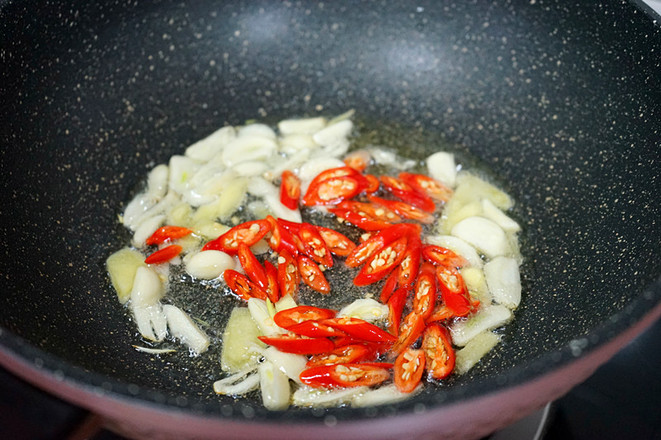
{"x": 561, "y": 100}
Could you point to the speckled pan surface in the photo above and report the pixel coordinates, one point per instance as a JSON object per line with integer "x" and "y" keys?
{"x": 560, "y": 99}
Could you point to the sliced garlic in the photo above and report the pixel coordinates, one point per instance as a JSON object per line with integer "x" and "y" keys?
{"x": 476, "y": 284}
{"x": 301, "y": 126}
{"x": 366, "y": 309}
{"x": 275, "y": 387}
{"x": 320, "y": 397}
{"x": 386, "y": 394}
{"x": 146, "y": 229}
{"x": 237, "y": 384}
{"x": 504, "y": 281}
{"x": 310, "y": 169}
{"x": 333, "y": 138}
{"x": 205, "y": 149}
{"x": 486, "y": 318}
{"x": 208, "y": 265}
{"x": 491, "y": 211}
{"x": 293, "y": 143}
{"x": 247, "y": 148}
{"x": 157, "y": 181}
{"x": 151, "y": 321}
{"x": 256, "y": 129}
{"x": 182, "y": 169}
{"x": 147, "y": 287}
{"x": 183, "y": 328}
{"x": 474, "y": 350}
{"x": 122, "y": 267}
{"x": 482, "y": 233}
{"x": 290, "y": 364}
{"x": 442, "y": 167}
{"x": 260, "y": 314}
{"x": 285, "y": 302}
{"x": 137, "y": 208}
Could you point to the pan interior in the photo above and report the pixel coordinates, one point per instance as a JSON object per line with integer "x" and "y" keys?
{"x": 563, "y": 110}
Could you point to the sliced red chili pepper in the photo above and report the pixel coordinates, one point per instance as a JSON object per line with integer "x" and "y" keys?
{"x": 366, "y": 216}
{"x": 290, "y": 189}
{"x": 341, "y": 355}
{"x": 290, "y": 225}
{"x": 295, "y": 315}
{"x": 333, "y": 173}
{"x": 281, "y": 238}
{"x": 386, "y": 365}
{"x": 390, "y": 285}
{"x": 365, "y": 250}
{"x": 440, "y": 357}
{"x": 442, "y": 256}
{"x": 316, "y": 329}
{"x": 427, "y": 185}
{"x": 164, "y": 255}
{"x": 360, "y": 329}
{"x": 441, "y": 313}
{"x": 340, "y": 183}
{"x": 358, "y": 160}
{"x": 344, "y": 375}
{"x": 424, "y": 292}
{"x": 412, "y": 327}
{"x": 336, "y": 242}
{"x": 312, "y": 275}
{"x": 406, "y": 210}
{"x": 373, "y": 183}
{"x": 167, "y": 233}
{"x": 374, "y": 243}
{"x": 382, "y": 262}
{"x": 396, "y": 305}
{"x": 453, "y": 291}
{"x": 242, "y": 286}
{"x": 376, "y": 349}
{"x": 314, "y": 245}
{"x": 296, "y": 344}
{"x": 411, "y": 261}
{"x": 409, "y": 367}
{"x": 248, "y": 233}
{"x": 288, "y": 274}
{"x": 393, "y": 232}
{"x": 252, "y": 266}
{"x": 272, "y": 289}
{"x": 407, "y": 193}
{"x": 331, "y": 191}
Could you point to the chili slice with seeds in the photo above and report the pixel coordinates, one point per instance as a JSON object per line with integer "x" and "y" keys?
{"x": 312, "y": 275}
{"x": 424, "y": 291}
{"x": 409, "y": 367}
{"x": 295, "y": 315}
{"x": 290, "y": 189}
{"x": 288, "y": 274}
{"x": 248, "y": 233}
{"x": 440, "y": 356}
{"x": 427, "y": 185}
{"x": 344, "y": 375}
{"x": 242, "y": 286}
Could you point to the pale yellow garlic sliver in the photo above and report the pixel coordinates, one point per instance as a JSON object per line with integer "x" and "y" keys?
{"x": 475, "y": 350}
{"x": 225, "y": 205}
{"x": 122, "y": 266}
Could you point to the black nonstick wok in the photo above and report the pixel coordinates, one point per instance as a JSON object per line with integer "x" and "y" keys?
{"x": 561, "y": 100}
